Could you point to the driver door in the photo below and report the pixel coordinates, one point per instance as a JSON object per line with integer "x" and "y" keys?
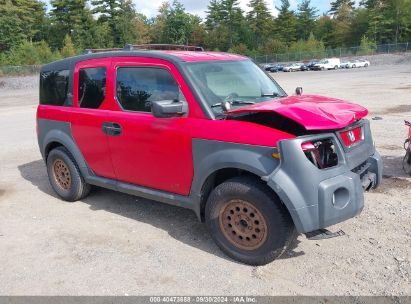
{"x": 149, "y": 151}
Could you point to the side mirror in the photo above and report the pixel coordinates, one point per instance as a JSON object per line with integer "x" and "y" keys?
{"x": 299, "y": 91}
{"x": 168, "y": 108}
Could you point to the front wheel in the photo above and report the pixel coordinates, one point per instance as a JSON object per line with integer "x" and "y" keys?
{"x": 248, "y": 222}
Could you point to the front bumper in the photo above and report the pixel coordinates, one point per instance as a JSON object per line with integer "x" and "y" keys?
{"x": 318, "y": 198}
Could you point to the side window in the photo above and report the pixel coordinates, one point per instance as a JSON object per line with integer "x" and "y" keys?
{"x": 54, "y": 87}
{"x": 91, "y": 87}
{"x": 137, "y": 87}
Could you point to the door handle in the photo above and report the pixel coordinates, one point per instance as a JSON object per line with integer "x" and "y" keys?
{"x": 112, "y": 128}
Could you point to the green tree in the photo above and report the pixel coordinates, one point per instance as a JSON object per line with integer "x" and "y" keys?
{"x": 273, "y": 46}
{"x": 216, "y": 31}
{"x": 178, "y": 25}
{"x": 73, "y": 18}
{"x": 24, "y": 54}
{"x": 198, "y": 31}
{"x": 232, "y": 19}
{"x": 20, "y": 20}
{"x": 125, "y": 23}
{"x": 260, "y": 21}
{"x": 44, "y": 53}
{"x": 306, "y": 16}
{"x": 390, "y": 20}
{"x": 324, "y": 30}
{"x": 108, "y": 12}
{"x": 142, "y": 29}
{"x": 359, "y": 25}
{"x": 342, "y": 23}
{"x": 337, "y": 4}
{"x": 239, "y": 49}
{"x": 367, "y": 46}
{"x": 158, "y": 24}
{"x": 214, "y": 14}
{"x": 68, "y": 49}
{"x": 224, "y": 24}
{"x": 286, "y": 23}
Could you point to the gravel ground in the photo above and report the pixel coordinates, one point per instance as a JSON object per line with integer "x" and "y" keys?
{"x": 115, "y": 244}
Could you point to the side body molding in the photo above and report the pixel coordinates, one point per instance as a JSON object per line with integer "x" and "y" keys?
{"x": 60, "y": 132}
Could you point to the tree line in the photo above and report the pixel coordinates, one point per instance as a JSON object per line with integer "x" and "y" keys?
{"x": 31, "y": 34}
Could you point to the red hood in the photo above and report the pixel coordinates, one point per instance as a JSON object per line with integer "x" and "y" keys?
{"x": 312, "y": 111}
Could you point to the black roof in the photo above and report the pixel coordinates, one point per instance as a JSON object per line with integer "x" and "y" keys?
{"x": 70, "y": 62}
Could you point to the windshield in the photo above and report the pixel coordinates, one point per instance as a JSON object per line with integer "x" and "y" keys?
{"x": 239, "y": 82}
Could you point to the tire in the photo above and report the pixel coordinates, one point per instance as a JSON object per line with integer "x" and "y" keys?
{"x": 353, "y": 66}
{"x": 65, "y": 177}
{"x": 406, "y": 162}
{"x": 322, "y": 68}
{"x": 336, "y": 68}
{"x": 365, "y": 65}
{"x": 264, "y": 229}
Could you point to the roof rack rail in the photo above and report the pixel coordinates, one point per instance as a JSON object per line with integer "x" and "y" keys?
{"x": 131, "y": 47}
{"x": 181, "y": 47}
{"x": 91, "y": 51}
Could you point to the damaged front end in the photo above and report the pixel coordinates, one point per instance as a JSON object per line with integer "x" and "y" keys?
{"x": 321, "y": 179}
{"x": 324, "y": 170}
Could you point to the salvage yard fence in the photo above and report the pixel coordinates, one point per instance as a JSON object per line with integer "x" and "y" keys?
{"x": 19, "y": 70}
{"x": 338, "y": 52}
{"x": 396, "y": 48}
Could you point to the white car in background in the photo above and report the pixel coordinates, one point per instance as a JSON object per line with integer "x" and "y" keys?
{"x": 344, "y": 65}
{"x": 348, "y": 64}
{"x": 292, "y": 67}
{"x": 360, "y": 63}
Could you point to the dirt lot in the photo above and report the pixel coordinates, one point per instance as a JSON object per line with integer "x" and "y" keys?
{"x": 116, "y": 244}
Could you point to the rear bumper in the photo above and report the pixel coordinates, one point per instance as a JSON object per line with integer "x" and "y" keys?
{"x": 320, "y": 198}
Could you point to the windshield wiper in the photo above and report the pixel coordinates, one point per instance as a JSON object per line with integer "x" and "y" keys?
{"x": 233, "y": 102}
{"x": 272, "y": 95}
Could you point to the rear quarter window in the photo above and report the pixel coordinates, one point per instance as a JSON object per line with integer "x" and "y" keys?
{"x": 54, "y": 87}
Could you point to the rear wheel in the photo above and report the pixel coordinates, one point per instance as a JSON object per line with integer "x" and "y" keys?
{"x": 365, "y": 65}
{"x": 248, "y": 222}
{"x": 64, "y": 175}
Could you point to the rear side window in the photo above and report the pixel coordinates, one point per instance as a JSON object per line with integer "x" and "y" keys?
{"x": 92, "y": 87}
{"x": 54, "y": 87}
{"x": 137, "y": 87}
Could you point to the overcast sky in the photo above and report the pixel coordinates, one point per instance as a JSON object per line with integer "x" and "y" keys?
{"x": 198, "y": 7}
{"x": 150, "y": 7}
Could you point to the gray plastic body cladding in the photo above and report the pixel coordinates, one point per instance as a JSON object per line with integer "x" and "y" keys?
{"x": 210, "y": 156}
{"x": 308, "y": 192}
{"x": 60, "y": 132}
{"x": 376, "y": 166}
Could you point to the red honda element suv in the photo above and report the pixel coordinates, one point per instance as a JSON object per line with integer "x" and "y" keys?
{"x": 211, "y": 132}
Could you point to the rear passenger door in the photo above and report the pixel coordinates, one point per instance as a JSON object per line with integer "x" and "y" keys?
{"x": 91, "y": 108}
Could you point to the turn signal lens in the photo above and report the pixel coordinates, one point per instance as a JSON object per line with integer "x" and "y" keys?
{"x": 276, "y": 155}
